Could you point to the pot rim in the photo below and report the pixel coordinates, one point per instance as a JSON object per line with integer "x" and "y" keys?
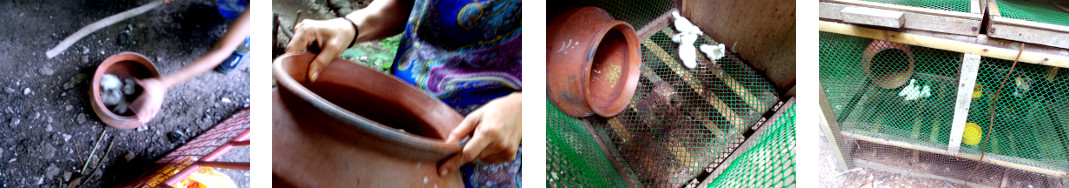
{"x": 354, "y": 121}
{"x": 631, "y": 81}
{"x": 874, "y": 48}
{"x": 110, "y": 118}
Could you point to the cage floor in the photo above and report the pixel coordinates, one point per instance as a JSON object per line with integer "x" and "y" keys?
{"x": 1032, "y": 10}
{"x": 770, "y": 163}
{"x": 683, "y": 120}
{"x": 1030, "y": 122}
{"x": 948, "y": 5}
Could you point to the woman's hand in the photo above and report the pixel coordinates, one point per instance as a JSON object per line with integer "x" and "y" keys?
{"x": 332, "y": 37}
{"x": 497, "y": 133}
{"x": 148, "y": 103}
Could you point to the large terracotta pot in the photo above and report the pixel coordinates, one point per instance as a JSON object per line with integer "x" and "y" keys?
{"x": 593, "y": 62}
{"x": 884, "y": 73}
{"x": 123, "y": 65}
{"x": 356, "y": 127}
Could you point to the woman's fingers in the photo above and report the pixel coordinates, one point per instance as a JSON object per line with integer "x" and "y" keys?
{"x": 322, "y": 60}
{"x": 470, "y": 152}
{"x": 301, "y": 39}
{"x": 466, "y": 127}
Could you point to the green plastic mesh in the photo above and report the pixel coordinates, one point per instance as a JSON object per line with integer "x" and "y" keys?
{"x": 770, "y": 163}
{"x": 1032, "y": 116}
{"x": 683, "y": 120}
{"x": 868, "y": 108}
{"x": 680, "y": 120}
{"x": 1037, "y": 11}
{"x": 948, "y": 5}
{"x": 573, "y": 158}
{"x": 636, "y": 12}
{"x": 1031, "y": 120}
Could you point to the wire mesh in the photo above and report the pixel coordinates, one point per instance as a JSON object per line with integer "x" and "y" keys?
{"x": 948, "y": 5}
{"x": 1032, "y": 117}
{"x": 573, "y": 156}
{"x": 770, "y": 163}
{"x": 1037, "y": 11}
{"x": 919, "y": 110}
{"x": 1030, "y": 121}
{"x": 192, "y": 151}
{"x": 680, "y": 120}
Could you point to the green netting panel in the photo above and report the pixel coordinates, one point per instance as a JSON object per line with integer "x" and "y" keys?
{"x": 573, "y": 157}
{"x": 1032, "y": 117}
{"x": 1037, "y": 11}
{"x": 636, "y": 12}
{"x": 770, "y": 163}
{"x": 683, "y": 120}
{"x": 877, "y": 107}
{"x": 948, "y": 5}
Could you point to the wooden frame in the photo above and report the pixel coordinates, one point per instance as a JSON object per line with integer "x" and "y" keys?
{"x": 961, "y": 23}
{"x": 1026, "y": 31}
{"x": 969, "y": 49}
{"x": 978, "y": 48}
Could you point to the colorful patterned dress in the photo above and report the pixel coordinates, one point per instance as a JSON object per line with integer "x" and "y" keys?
{"x": 466, "y": 53}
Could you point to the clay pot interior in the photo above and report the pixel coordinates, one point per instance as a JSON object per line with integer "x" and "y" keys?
{"x": 123, "y": 65}
{"x": 357, "y": 101}
{"x": 593, "y": 63}
{"x": 888, "y": 65}
{"x": 609, "y": 72}
{"x": 124, "y": 70}
{"x": 349, "y": 100}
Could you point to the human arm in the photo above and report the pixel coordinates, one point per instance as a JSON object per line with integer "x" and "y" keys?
{"x": 381, "y": 19}
{"x": 148, "y": 103}
{"x": 496, "y": 130}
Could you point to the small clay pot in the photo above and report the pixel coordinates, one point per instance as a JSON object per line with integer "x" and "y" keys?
{"x": 887, "y": 74}
{"x": 123, "y": 65}
{"x": 357, "y": 127}
{"x": 593, "y": 62}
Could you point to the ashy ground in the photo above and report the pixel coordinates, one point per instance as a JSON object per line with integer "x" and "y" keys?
{"x": 47, "y": 124}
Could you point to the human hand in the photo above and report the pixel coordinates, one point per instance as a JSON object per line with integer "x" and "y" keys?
{"x": 331, "y": 37}
{"x": 497, "y": 134}
{"x": 148, "y": 103}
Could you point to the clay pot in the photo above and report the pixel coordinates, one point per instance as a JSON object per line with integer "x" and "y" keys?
{"x": 887, "y": 72}
{"x": 356, "y": 127}
{"x": 593, "y": 62}
{"x": 123, "y": 65}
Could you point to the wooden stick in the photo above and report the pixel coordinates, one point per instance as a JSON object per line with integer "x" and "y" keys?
{"x": 66, "y": 43}
{"x": 1000, "y": 162}
{"x": 945, "y": 44}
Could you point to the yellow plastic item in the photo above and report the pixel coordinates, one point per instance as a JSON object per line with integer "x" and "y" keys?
{"x": 978, "y": 91}
{"x": 972, "y": 134}
{"x": 207, "y": 177}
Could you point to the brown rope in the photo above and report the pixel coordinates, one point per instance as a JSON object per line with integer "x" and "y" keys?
{"x": 991, "y": 120}
{"x": 1059, "y": 6}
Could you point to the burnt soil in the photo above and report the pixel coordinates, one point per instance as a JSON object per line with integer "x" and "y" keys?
{"x": 48, "y": 126}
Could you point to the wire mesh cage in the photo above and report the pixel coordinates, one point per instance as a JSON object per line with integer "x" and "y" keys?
{"x": 947, "y": 5}
{"x": 1033, "y": 10}
{"x": 680, "y": 121}
{"x": 770, "y": 163}
{"x": 207, "y": 146}
{"x": 908, "y": 94}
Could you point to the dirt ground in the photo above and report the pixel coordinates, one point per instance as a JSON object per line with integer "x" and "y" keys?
{"x": 49, "y": 127}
